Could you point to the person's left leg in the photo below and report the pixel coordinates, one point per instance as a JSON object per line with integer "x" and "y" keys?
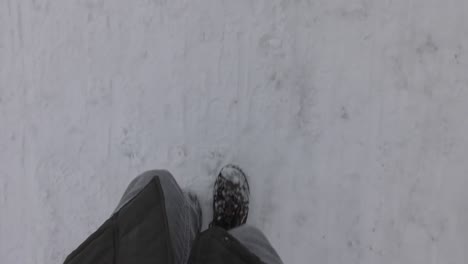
{"x": 182, "y": 209}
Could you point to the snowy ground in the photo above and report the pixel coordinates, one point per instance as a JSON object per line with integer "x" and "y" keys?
{"x": 349, "y": 116}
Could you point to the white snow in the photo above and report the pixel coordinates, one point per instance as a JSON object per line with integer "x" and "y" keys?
{"x": 349, "y": 116}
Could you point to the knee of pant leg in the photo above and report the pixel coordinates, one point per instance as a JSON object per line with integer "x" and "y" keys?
{"x": 143, "y": 179}
{"x": 168, "y": 182}
{"x": 155, "y": 173}
{"x": 137, "y": 184}
{"x": 163, "y": 175}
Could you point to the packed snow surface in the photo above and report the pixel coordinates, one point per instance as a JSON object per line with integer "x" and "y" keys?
{"x": 348, "y": 116}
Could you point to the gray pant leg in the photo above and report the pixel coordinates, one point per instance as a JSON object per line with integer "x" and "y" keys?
{"x": 182, "y": 210}
{"x": 254, "y": 240}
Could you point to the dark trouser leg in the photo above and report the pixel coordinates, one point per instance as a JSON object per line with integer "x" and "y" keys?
{"x": 182, "y": 210}
{"x": 254, "y": 240}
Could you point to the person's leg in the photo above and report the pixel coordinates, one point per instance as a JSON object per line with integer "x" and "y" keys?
{"x": 256, "y": 242}
{"x": 182, "y": 209}
{"x": 230, "y": 212}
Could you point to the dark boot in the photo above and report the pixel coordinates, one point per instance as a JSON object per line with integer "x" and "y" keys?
{"x": 231, "y": 198}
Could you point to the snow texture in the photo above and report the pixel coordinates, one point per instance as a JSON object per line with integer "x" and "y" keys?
{"x": 349, "y": 116}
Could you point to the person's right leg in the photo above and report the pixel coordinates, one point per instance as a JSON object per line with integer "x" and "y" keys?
{"x": 230, "y": 211}
{"x": 256, "y": 242}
